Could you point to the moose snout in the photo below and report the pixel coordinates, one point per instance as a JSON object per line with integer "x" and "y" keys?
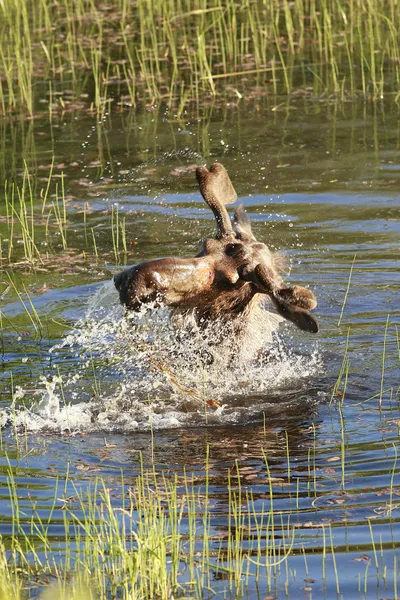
{"x": 123, "y": 283}
{"x": 120, "y": 279}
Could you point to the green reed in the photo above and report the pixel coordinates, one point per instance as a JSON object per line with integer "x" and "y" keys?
{"x": 29, "y": 308}
{"x": 34, "y": 223}
{"x": 160, "y": 541}
{"x": 176, "y": 51}
{"x": 24, "y": 220}
{"x": 118, "y": 233}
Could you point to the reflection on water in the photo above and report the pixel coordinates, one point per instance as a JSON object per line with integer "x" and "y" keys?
{"x": 320, "y": 182}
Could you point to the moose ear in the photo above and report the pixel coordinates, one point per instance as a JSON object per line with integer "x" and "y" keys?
{"x": 299, "y": 296}
{"x": 242, "y": 225}
{"x": 296, "y": 314}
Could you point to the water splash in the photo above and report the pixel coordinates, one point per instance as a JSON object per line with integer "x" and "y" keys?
{"x": 145, "y": 370}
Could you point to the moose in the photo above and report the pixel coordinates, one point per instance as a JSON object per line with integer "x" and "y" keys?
{"x": 228, "y": 280}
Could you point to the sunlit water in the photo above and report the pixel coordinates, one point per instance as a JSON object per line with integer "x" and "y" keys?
{"x": 318, "y": 183}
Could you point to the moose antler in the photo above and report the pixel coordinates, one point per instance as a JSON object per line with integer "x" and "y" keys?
{"x": 298, "y": 315}
{"x": 242, "y": 225}
{"x": 217, "y": 190}
{"x": 292, "y": 303}
{"x": 230, "y": 275}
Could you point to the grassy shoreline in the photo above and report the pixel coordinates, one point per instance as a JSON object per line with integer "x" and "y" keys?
{"x": 80, "y": 54}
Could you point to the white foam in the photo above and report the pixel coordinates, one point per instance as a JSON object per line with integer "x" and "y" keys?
{"x": 142, "y": 371}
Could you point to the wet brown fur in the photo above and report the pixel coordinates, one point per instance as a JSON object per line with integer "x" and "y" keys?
{"x": 228, "y": 278}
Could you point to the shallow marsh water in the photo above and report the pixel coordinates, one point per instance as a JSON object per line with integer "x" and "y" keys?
{"x": 320, "y": 181}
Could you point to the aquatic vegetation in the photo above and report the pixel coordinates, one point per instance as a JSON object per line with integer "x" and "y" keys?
{"x": 34, "y": 225}
{"x": 122, "y": 53}
{"x": 155, "y": 533}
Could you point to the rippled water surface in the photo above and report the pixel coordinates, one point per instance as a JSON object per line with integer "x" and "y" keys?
{"x": 320, "y": 182}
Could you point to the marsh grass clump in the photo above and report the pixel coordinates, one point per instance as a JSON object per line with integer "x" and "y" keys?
{"x": 157, "y": 535}
{"x": 24, "y": 222}
{"x": 80, "y": 53}
{"x": 35, "y": 220}
{"x": 156, "y": 543}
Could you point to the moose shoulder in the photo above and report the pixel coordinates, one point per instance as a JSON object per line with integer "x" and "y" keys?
{"x": 228, "y": 278}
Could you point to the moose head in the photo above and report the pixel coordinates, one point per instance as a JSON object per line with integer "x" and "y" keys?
{"x": 230, "y": 275}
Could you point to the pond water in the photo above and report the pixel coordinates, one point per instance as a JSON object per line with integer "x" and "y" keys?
{"x": 91, "y": 392}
